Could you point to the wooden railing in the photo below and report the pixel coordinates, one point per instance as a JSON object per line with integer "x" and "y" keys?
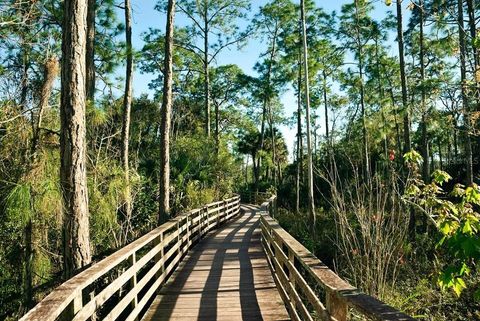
{"x": 309, "y": 289}
{"x": 122, "y": 285}
{"x": 250, "y": 197}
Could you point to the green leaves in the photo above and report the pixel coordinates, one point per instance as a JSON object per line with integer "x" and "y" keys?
{"x": 413, "y": 157}
{"x": 441, "y": 177}
{"x": 455, "y": 219}
{"x": 450, "y": 279}
{"x": 472, "y": 195}
{"x": 18, "y": 204}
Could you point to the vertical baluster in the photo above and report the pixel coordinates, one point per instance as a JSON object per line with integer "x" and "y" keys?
{"x": 291, "y": 276}
{"x": 179, "y": 239}
{"x": 189, "y": 222}
{"x": 160, "y": 254}
{"x": 133, "y": 280}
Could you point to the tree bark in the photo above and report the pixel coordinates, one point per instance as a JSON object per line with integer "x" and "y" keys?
{"x": 206, "y": 71}
{"x": 266, "y": 99}
{"x": 403, "y": 79}
{"x": 73, "y": 175}
{"x": 217, "y": 127}
{"x": 127, "y": 106}
{"x": 325, "y": 103}
{"x": 167, "y": 102}
{"x": 311, "y": 201}
{"x": 366, "y": 157}
{"x": 299, "y": 132}
{"x": 90, "y": 58}
{"x": 50, "y": 73}
{"x": 423, "y": 123}
{"x": 473, "y": 35}
{"x": 466, "y": 108}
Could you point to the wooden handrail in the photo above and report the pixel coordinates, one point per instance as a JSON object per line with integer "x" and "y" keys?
{"x": 250, "y": 197}
{"x": 303, "y": 280}
{"x": 122, "y": 284}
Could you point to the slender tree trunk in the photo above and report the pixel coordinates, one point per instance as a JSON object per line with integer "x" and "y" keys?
{"x": 440, "y": 154}
{"x": 325, "y": 103}
{"x": 127, "y": 105}
{"x": 24, "y": 80}
{"x": 473, "y": 35}
{"x": 206, "y": 71}
{"x": 395, "y": 114}
{"x": 166, "y": 112}
{"x": 423, "y": 123}
{"x": 311, "y": 201}
{"x": 90, "y": 58}
{"x": 403, "y": 79}
{"x": 466, "y": 108}
{"x": 266, "y": 99}
{"x": 256, "y": 174}
{"x": 73, "y": 174}
{"x": 50, "y": 73}
{"x": 299, "y": 131}
{"x": 381, "y": 93}
{"x": 274, "y": 147}
{"x": 217, "y": 127}
{"x": 455, "y": 140}
{"x": 366, "y": 157}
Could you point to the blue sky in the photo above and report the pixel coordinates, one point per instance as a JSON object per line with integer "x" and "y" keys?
{"x": 145, "y": 17}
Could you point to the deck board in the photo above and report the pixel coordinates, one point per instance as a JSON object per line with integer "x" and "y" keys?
{"x": 225, "y": 277}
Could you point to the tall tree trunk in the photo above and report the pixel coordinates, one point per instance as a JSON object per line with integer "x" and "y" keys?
{"x": 127, "y": 105}
{"x": 423, "y": 123}
{"x": 167, "y": 102}
{"x": 381, "y": 93}
{"x": 476, "y": 56}
{"x": 217, "y": 127}
{"x": 266, "y": 99}
{"x": 311, "y": 201}
{"x": 299, "y": 131}
{"x": 206, "y": 71}
{"x": 440, "y": 154}
{"x": 325, "y": 103}
{"x": 366, "y": 158}
{"x": 50, "y": 73}
{"x": 455, "y": 140}
{"x": 90, "y": 58}
{"x": 395, "y": 115}
{"x": 466, "y": 108}
{"x": 403, "y": 79}
{"x": 274, "y": 147}
{"x": 73, "y": 174}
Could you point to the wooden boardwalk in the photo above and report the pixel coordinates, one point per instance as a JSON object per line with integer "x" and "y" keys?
{"x": 225, "y": 277}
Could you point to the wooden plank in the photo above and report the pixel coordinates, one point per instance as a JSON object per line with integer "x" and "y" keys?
{"x": 225, "y": 277}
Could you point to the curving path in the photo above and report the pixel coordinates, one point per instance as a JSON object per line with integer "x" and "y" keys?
{"x": 225, "y": 277}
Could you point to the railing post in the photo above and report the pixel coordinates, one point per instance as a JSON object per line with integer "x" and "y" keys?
{"x": 133, "y": 280}
{"x": 291, "y": 278}
{"x": 208, "y": 219}
{"x": 275, "y": 207}
{"x": 74, "y": 307}
{"x": 336, "y": 306}
{"x": 204, "y": 214}
{"x": 188, "y": 229}
{"x": 160, "y": 255}
{"x": 180, "y": 248}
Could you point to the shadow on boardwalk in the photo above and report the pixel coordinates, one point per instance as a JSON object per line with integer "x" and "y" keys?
{"x": 225, "y": 277}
